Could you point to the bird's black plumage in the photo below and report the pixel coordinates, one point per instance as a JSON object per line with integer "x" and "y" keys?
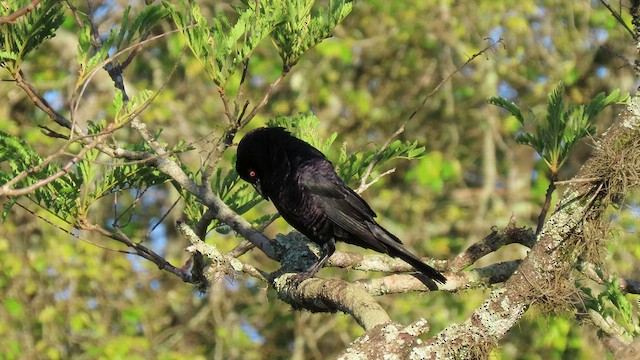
{"x": 310, "y": 196}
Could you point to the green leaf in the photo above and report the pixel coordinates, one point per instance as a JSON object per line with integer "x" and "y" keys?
{"x": 223, "y": 47}
{"x": 507, "y": 105}
{"x": 14, "y": 307}
{"x": 118, "y": 101}
{"x": 564, "y": 127}
{"x": 29, "y": 31}
{"x": 302, "y": 28}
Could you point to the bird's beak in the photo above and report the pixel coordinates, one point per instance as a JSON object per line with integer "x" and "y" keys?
{"x": 258, "y": 188}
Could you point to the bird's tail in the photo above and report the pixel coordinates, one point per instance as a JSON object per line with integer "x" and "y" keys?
{"x": 395, "y": 249}
{"x": 419, "y": 265}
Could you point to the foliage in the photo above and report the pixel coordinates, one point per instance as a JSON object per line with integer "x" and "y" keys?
{"x": 222, "y": 47}
{"x": 70, "y": 197}
{"x": 366, "y": 71}
{"x": 350, "y": 166}
{"x": 613, "y": 306}
{"x": 93, "y": 53}
{"x": 59, "y": 196}
{"x": 21, "y": 37}
{"x": 301, "y": 29}
{"x": 305, "y": 127}
{"x": 563, "y": 128}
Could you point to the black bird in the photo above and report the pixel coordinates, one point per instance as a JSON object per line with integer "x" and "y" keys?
{"x": 310, "y": 196}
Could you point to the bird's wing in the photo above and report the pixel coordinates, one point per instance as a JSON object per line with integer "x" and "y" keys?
{"x": 353, "y": 215}
{"x": 320, "y": 179}
{"x": 344, "y": 207}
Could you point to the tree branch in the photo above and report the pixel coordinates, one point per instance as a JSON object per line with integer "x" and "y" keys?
{"x": 363, "y": 183}
{"x": 18, "y": 13}
{"x": 325, "y": 295}
{"x": 139, "y": 249}
{"x": 463, "y": 280}
{"x": 227, "y": 263}
{"x": 220, "y": 210}
{"x": 548, "y": 264}
{"x": 6, "y": 189}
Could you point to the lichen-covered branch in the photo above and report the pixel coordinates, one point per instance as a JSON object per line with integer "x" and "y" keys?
{"x": 462, "y": 280}
{"x": 393, "y": 341}
{"x": 328, "y": 295}
{"x": 545, "y": 274}
{"x": 228, "y": 263}
{"x": 547, "y": 268}
{"x": 219, "y": 209}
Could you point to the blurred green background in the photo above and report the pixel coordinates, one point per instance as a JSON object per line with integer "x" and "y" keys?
{"x": 61, "y": 297}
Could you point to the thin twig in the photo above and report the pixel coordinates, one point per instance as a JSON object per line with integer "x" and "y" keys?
{"x": 577, "y": 181}
{"x": 75, "y": 12}
{"x": 626, "y": 60}
{"x": 547, "y": 202}
{"x": 225, "y": 103}
{"x": 245, "y": 245}
{"x": 116, "y": 221}
{"x": 112, "y": 58}
{"x": 40, "y": 101}
{"x": 236, "y": 104}
{"x": 70, "y": 232}
{"x": 491, "y": 46}
{"x": 376, "y": 157}
{"x": 619, "y": 18}
{"x": 265, "y": 98}
{"x": 134, "y": 52}
{"x": 5, "y": 190}
{"x": 139, "y": 249}
{"x": 18, "y": 13}
{"x": 164, "y": 216}
{"x": 363, "y": 187}
{"x": 626, "y": 285}
{"x": 363, "y": 182}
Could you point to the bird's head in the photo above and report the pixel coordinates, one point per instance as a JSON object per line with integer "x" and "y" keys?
{"x": 258, "y": 155}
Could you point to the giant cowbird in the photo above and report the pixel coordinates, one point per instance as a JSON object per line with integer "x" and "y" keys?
{"x": 304, "y": 187}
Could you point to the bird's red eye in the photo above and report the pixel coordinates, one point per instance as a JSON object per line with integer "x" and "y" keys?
{"x": 252, "y": 173}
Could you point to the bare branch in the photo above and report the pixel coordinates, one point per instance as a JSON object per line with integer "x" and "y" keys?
{"x": 40, "y": 101}
{"x": 365, "y": 185}
{"x": 139, "y": 249}
{"x": 547, "y": 202}
{"x": 627, "y": 286}
{"x": 618, "y": 18}
{"x": 492, "y": 242}
{"x": 71, "y": 233}
{"x": 463, "y": 280}
{"x": 265, "y": 98}
{"x": 492, "y": 46}
{"x": 227, "y": 263}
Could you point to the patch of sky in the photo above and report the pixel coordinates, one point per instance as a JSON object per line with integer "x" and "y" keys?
{"x": 62, "y": 295}
{"x": 54, "y": 98}
{"x": 155, "y": 285}
{"x": 496, "y": 33}
{"x": 136, "y": 262}
{"x": 506, "y": 91}
{"x": 252, "y": 332}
